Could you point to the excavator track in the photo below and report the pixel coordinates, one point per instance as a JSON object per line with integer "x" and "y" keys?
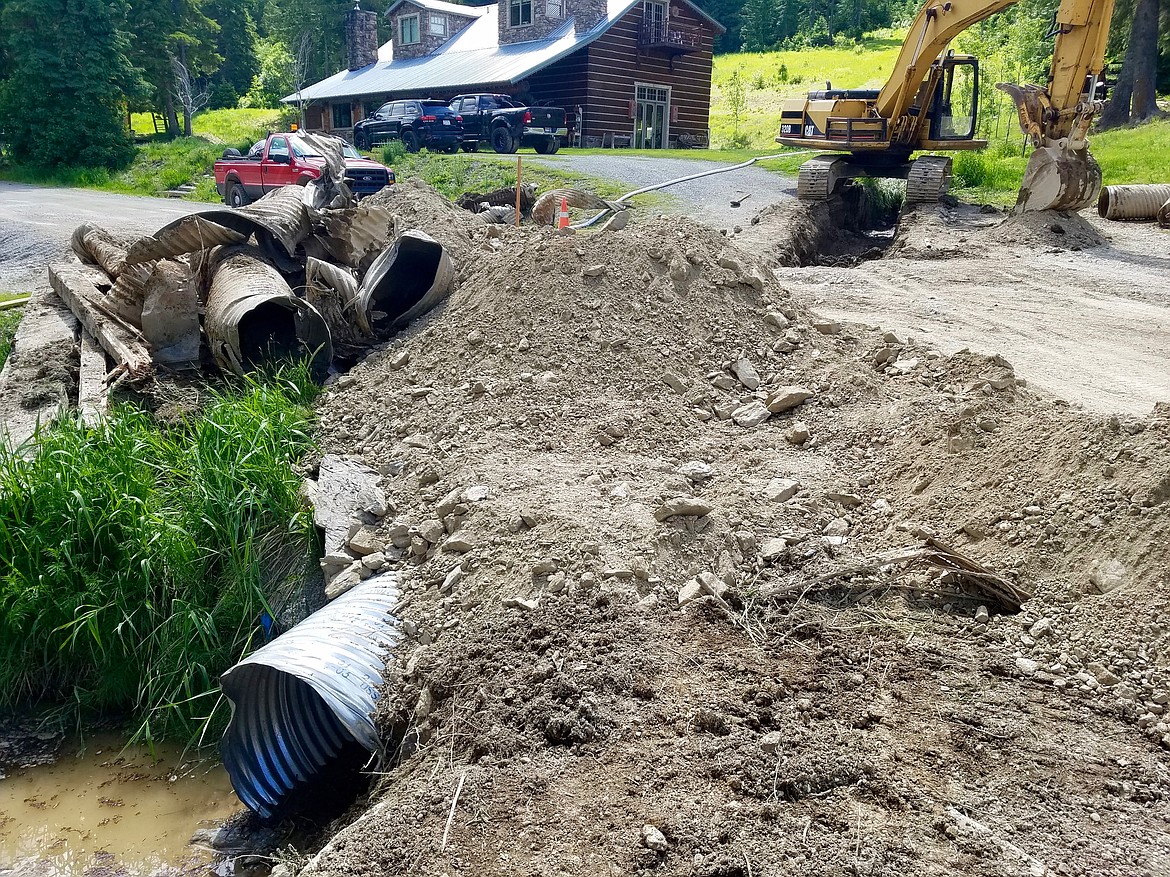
{"x": 819, "y": 177}
{"x": 928, "y": 179}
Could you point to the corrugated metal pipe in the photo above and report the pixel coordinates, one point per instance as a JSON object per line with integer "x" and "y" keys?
{"x": 300, "y": 702}
{"x": 254, "y": 319}
{"x": 405, "y": 281}
{"x": 1133, "y": 202}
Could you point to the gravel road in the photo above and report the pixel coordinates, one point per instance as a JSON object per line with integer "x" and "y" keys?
{"x": 36, "y": 223}
{"x": 707, "y": 199}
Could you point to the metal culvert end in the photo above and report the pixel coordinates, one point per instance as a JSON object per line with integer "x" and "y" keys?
{"x": 301, "y": 701}
{"x": 1132, "y": 202}
{"x": 253, "y": 319}
{"x": 405, "y": 281}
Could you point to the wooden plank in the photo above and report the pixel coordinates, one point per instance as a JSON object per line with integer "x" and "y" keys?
{"x": 117, "y": 338}
{"x": 92, "y": 397}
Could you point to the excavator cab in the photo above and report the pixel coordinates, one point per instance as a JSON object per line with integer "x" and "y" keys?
{"x": 954, "y": 110}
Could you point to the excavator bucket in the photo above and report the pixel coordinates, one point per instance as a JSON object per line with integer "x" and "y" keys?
{"x": 1059, "y": 179}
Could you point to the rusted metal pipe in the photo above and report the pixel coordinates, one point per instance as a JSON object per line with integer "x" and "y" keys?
{"x": 406, "y": 281}
{"x": 254, "y": 319}
{"x": 1133, "y": 202}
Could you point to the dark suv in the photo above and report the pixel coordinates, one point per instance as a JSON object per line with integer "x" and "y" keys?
{"x": 417, "y": 123}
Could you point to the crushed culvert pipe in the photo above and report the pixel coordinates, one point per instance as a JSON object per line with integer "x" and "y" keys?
{"x": 1132, "y": 202}
{"x": 408, "y": 279}
{"x": 306, "y": 700}
{"x": 253, "y": 319}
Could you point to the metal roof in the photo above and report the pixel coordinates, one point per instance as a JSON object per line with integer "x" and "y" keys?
{"x": 440, "y": 6}
{"x": 472, "y": 57}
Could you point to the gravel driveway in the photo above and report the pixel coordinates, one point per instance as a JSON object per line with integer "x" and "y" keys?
{"x": 707, "y": 199}
{"x": 36, "y": 223}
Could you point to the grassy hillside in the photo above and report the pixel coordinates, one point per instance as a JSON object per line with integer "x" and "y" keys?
{"x": 770, "y": 77}
{"x": 160, "y": 164}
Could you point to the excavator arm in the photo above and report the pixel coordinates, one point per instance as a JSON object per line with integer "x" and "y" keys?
{"x": 933, "y": 28}
{"x": 1062, "y": 174}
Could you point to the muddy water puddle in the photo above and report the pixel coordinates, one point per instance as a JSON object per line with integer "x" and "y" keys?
{"x": 102, "y": 810}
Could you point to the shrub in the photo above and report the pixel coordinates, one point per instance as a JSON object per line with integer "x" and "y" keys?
{"x": 393, "y": 153}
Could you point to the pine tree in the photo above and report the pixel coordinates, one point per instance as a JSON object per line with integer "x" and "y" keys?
{"x": 68, "y": 75}
{"x": 759, "y": 25}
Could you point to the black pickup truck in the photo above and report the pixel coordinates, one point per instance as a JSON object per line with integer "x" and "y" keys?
{"x": 497, "y": 119}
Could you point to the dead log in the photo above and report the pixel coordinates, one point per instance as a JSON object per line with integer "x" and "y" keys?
{"x": 117, "y": 337}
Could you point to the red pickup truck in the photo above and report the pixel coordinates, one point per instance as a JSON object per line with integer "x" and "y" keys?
{"x": 285, "y": 160}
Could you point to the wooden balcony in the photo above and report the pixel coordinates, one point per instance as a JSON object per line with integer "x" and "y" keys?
{"x": 675, "y": 39}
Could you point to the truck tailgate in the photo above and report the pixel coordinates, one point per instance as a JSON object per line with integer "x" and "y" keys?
{"x": 547, "y": 117}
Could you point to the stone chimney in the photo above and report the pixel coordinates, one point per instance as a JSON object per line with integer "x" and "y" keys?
{"x": 361, "y": 37}
{"x": 587, "y": 14}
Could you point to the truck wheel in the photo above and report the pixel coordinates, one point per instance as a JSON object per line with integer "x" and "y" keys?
{"x": 549, "y": 146}
{"x": 503, "y": 142}
{"x": 235, "y": 196}
{"x": 473, "y": 146}
{"x": 410, "y": 141}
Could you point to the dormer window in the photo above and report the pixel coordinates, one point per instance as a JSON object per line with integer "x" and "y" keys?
{"x": 519, "y": 13}
{"x": 408, "y": 30}
{"x": 437, "y": 25}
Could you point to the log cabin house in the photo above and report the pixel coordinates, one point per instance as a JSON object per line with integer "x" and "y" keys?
{"x": 627, "y": 72}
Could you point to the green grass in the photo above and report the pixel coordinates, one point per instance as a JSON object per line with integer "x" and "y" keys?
{"x": 1126, "y": 156}
{"x": 452, "y": 175}
{"x": 132, "y": 555}
{"x": 9, "y": 320}
{"x": 771, "y": 77}
{"x": 161, "y": 164}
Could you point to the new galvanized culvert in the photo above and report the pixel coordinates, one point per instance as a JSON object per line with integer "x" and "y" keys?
{"x": 305, "y": 700}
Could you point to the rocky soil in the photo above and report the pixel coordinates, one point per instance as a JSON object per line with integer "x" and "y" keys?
{"x": 667, "y": 608}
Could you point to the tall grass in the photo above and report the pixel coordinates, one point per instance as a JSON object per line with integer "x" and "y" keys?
{"x": 133, "y": 556}
{"x": 9, "y": 320}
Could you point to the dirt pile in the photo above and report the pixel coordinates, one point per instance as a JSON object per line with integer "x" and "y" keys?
{"x": 646, "y": 500}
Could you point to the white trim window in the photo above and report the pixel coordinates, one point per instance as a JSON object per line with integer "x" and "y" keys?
{"x": 519, "y": 13}
{"x": 554, "y": 9}
{"x": 437, "y": 25}
{"x": 408, "y": 30}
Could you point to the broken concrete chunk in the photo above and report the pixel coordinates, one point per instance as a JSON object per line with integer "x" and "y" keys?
{"x": 343, "y": 581}
{"x": 751, "y": 415}
{"x": 746, "y": 373}
{"x": 696, "y": 471}
{"x": 675, "y": 383}
{"x": 653, "y": 839}
{"x": 520, "y": 603}
{"x": 787, "y": 398}
{"x": 1108, "y": 575}
{"x": 781, "y": 489}
{"x": 849, "y": 500}
{"x": 827, "y": 327}
{"x": 343, "y": 489}
{"x": 798, "y": 434}
{"x": 689, "y": 506}
{"x": 476, "y": 493}
{"x": 432, "y": 530}
{"x": 776, "y": 319}
{"x": 365, "y": 541}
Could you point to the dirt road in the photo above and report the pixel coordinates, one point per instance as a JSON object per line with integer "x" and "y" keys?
{"x": 36, "y": 222}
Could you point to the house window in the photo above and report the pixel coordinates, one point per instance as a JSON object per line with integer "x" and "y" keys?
{"x": 554, "y": 9}
{"x": 342, "y": 116}
{"x": 408, "y": 30}
{"x": 519, "y": 13}
{"x": 437, "y": 25}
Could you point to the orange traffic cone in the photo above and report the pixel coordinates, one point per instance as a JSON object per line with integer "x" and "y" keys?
{"x": 563, "y": 215}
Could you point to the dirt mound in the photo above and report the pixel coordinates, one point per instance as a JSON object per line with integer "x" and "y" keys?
{"x": 648, "y": 501}
{"x": 945, "y": 231}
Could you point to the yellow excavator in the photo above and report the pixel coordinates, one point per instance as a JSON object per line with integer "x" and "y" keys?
{"x": 931, "y": 103}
